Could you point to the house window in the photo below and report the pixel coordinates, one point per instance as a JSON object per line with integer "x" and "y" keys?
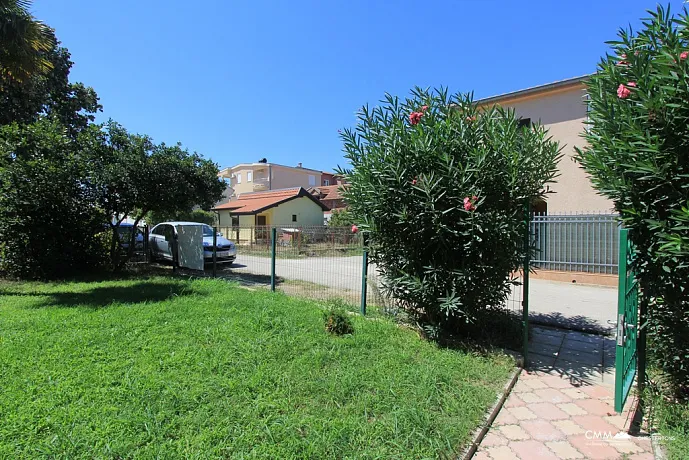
{"x": 524, "y": 123}
{"x": 239, "y": 178}
{"x": 249, "y": 176}
{"x": 294, "y": 217}
{"x": 235, "y": 222}
{"x": 312, "y": 180}
{"x": 326, "y": 182}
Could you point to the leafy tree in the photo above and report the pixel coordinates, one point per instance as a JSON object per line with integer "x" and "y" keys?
{"x": 341, "y": 218}
{"x": 136, "y": 177}
{"x": 63, "y": 178}
{"x": 49, "y": 225}
{"x": 49, "y": 93}
{"x": 195, "y": 215}
{"x": 23, "y": 42}
{"x": 440, "y": 189}
{"x": 638, "y": 156}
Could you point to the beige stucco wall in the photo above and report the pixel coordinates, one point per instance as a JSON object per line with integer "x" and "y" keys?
{"x": 563, "y": 112}
{"x": 273, "y": 177}
{"x": 259, "y": 173}
{"x": 283, "y": 177}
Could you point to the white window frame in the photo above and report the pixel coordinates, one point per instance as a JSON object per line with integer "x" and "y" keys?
{"x": 326, "y": 182}
{"x": 239, "y": 178}
{"x": 249, "y": 176}
{"x": 312, "y": 180}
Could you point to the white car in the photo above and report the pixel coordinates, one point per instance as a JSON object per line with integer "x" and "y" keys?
{"x": 160, "y": 242}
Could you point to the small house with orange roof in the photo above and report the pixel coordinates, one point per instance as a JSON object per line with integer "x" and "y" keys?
{"x": 252, "y": 214}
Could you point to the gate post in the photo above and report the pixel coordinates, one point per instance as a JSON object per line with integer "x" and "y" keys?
{"x": 641, "y": 348}
{"x": 525, "y": 293}
{"x": 364, "y": 275}
{"x": 147, "y": 254}
{"x": 273, "y": 237}
{"x": 215, "y": 252}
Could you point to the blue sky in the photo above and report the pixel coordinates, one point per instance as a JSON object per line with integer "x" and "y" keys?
{"x": 238, "y": 81}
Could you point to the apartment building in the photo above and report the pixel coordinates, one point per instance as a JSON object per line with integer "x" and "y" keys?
{"x": 263, "y": 176}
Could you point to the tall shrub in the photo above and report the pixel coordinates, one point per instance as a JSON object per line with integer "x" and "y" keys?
{"x": 638, "y": 156}
{"x": 440, "y": 187}
{"x": 49, "y": 224}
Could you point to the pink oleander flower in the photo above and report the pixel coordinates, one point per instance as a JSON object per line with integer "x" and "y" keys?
{"x": 424, "y": 108}
{"x": 415, "y": 117}
{"x": 413, "y": 182}
{"x": 684, "y": 55}
{"x": 468, "y": 205}
{"x": 623, "y": 92}
{"x": 631, "y": 84}
{"x": 472, "y": 118}
{"x": 355, "y": 229}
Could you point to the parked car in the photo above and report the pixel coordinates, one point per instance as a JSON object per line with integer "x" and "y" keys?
{"x": 125, "y": 232}
{"x": 160, "y": 242}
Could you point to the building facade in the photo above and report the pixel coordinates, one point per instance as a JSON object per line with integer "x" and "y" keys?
{"x": 264, "y": 176}
{"x": 251, "y": 214}
{"x": 561, "y": 108}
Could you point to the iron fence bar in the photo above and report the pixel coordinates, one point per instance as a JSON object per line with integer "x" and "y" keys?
{"x": 215, "y": 254}
{"x": 146, "y": 251}
{"x": 364, "y": 273}
{"x": 525, "y": 288}
{"x": 273, "y": 237}
{"x": 587, "y": 245}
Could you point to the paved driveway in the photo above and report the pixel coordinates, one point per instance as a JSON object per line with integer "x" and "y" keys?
{"x": 565, "y": 304}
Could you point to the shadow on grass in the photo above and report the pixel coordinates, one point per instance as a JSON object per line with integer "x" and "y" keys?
{"x": 223, "y": 271}
{"x": 102, "y": 296}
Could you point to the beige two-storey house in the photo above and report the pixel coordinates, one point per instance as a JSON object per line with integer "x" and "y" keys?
{"x": 263, "y": 176}
{"x": 561, "y": 108}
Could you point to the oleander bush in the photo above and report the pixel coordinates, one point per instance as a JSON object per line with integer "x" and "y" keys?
{"x": 638, "y": 156}
{"x": 440, "y": 188}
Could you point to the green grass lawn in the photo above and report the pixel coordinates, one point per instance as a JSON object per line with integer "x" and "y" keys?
{"x": 170, "y": 368}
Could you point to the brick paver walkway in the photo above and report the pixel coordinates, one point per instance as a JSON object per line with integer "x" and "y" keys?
{"x": 563, "y": 406}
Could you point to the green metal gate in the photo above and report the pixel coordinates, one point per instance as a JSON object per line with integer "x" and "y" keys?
{"x": 626, "y": 356}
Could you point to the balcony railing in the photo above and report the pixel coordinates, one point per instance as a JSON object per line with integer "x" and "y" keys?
{"x": 261, "y": 183}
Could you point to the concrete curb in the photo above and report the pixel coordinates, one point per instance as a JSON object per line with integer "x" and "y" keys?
{"x": 658, "y": 449}
{"x": 481, "y": 433}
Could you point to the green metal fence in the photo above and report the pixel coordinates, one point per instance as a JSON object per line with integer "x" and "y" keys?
{"x": 319, "y": 262}
{"x": 576, "y": 242}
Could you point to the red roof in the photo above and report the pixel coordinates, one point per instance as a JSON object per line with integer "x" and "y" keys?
{"x": 255, "y": 202}
{"x": 328, "y": 192}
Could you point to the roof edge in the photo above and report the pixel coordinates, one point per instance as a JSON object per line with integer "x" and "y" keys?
{"x": 301, "y": 193}
{"x": 535, "y": 89}
{"x": 245, "y": 165}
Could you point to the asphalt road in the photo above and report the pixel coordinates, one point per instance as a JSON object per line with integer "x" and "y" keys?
{"x": 571, "y": 305}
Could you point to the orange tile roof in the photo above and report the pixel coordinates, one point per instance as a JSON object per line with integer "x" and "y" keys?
{"x": 330, "y": 192}
{"x": 254, "y": 202}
